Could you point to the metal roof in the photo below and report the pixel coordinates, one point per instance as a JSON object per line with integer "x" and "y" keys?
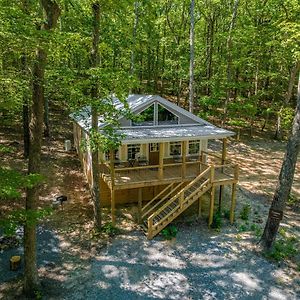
{"x": 168, "y": 134}
{"x": 136, "y": 134}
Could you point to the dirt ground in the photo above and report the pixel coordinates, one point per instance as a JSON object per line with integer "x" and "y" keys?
{"x": 69, "y": 247}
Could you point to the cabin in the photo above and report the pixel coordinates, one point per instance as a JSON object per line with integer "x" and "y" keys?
{"x": 163, "y": 163}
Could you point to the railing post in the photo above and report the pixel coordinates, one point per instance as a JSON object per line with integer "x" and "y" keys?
{"x": 200, "y": 162}
{"x": 140, "y": 202}
{"x": 150, "y": 228}
{"x": 183, "y": 171}
{"x": 236, "y": 172}
{"x": 181, "y": 199}
{"x": 212, "y": 174}
{"x": 161, "y": 161}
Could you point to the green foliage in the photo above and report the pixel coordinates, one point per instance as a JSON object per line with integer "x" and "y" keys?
{"x": 237, "y": 122}
{"x": 226, "y": 214}
{"x": 284, "y": 248}
{"x": 169, "y": 232}
{"x": 245, "y": 212}
{"x": 12, "y": 183}
{"x": 38, "y": 295}
{"x": 217, "y": 220}
{"x": 6, "y": 149}
{"x": 21, "y": 217}
{"x": 110, "y": 229}
{"x": 287, "y": 116}
{"x": 293, "y": 200}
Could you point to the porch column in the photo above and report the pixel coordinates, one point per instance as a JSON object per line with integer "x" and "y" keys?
{"x": 183, "y": 170}
{"x": 224, "y": 152}
{"x": 161, "y": 160}
{"x": 112, "y": 176}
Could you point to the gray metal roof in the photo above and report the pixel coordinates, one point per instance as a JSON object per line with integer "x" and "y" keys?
{"x": 201, "y": 130}
{"x": 168, "y": 134}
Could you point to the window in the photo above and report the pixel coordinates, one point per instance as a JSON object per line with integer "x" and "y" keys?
{"x": 165, "y": 117}
{"x": 154, "y": 147}
{"x": 175, "y": 148}
{"x": 107, "y": 155}
{"x": 194, "y": 147}
{"x": 145, "y": 118}
{"x": 133, "y": 150}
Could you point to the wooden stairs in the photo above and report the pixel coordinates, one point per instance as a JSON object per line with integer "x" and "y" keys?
{"x": 174, "y": 200}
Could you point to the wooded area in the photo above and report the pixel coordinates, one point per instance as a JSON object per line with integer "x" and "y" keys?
{"x": 233, "y": 62}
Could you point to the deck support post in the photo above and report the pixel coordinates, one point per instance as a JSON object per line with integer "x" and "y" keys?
{"x": 233, "y": 194}
{"x": 112, "y": 174}
{"x": 161, "y": 161}
{"x": 113, "y": 208}
{"x": 211, "y": 205}
{"x": 233, "y": 202}
{"x": 140, "y": 203}
{"x": 183, "y": 171}
{"x": 224, "y": 152}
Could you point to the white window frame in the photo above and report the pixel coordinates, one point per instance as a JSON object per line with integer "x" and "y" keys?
{"x": 194, "y": 142}
{"x": 154, "y": 147}
{"x": 175, "y": 144}
{"x": 130, "y": 148}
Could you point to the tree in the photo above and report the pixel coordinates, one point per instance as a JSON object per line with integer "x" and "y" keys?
{"x": 94, "y": 113}
{"x": 192, "y": 55}
{"x": 285, "y": 181}
{"x": 31, "y": 281}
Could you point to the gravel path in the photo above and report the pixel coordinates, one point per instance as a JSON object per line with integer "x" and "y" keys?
{"x": 198, "y": 265}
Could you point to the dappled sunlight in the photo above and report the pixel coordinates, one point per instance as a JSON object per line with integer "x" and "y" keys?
{"x": 249, "y": 281}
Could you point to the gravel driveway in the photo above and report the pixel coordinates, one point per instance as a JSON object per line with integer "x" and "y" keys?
{"x": 198, "y": 265}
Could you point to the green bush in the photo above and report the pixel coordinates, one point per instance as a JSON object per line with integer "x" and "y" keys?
{"x": 283, "y": 248}
{"x": 245, "y": 212}
{"x": 217, "y": 220}
{"x": 169, "y": 232}
{"x": 110, "y": 229}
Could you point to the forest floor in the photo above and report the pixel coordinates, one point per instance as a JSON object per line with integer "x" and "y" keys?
{"x": 77, "y": 263}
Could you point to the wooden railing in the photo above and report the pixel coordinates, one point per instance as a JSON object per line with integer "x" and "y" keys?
{"x": 181, "y": 200}
{"x": 148, "y": 209}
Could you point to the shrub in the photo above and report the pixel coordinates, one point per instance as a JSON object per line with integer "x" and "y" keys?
{"x": 244, "y": 214}
{"x": 283, "y": 248}
{"x": 217, "y": 220}
{"x": 110, "y": 229}
{"x": 169, "y": 232}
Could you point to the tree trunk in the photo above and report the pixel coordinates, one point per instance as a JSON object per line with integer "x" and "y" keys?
{"x": 192, "y": 55}
{"x": 285, "y": 181}
{"x": 229, "y": 59}
{"x": 135, "y": 26}
{"x": 94, "y": 112}
{"x": 31, "y": 281}
{"x": 288, "y": 96}
{"x": 26, "y": 134}
{"x": 46, "y": 117}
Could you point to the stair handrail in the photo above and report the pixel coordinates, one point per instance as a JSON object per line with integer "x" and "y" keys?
{"x": 200, "y": 176}
{"x": 156, "y": 197}
{"x": 154, "y": 227}
{"x": 161, "y": 200}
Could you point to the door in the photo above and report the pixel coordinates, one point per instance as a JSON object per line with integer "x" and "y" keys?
{"x": 153, "y": 154}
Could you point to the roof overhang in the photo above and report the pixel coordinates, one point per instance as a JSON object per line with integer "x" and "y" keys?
{"x": 138, "y": 135}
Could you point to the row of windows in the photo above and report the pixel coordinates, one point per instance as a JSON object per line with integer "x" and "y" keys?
{"x": 133, "y": 150}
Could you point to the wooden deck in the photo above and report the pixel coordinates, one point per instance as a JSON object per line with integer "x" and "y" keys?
{"x": 136, "y": 177}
